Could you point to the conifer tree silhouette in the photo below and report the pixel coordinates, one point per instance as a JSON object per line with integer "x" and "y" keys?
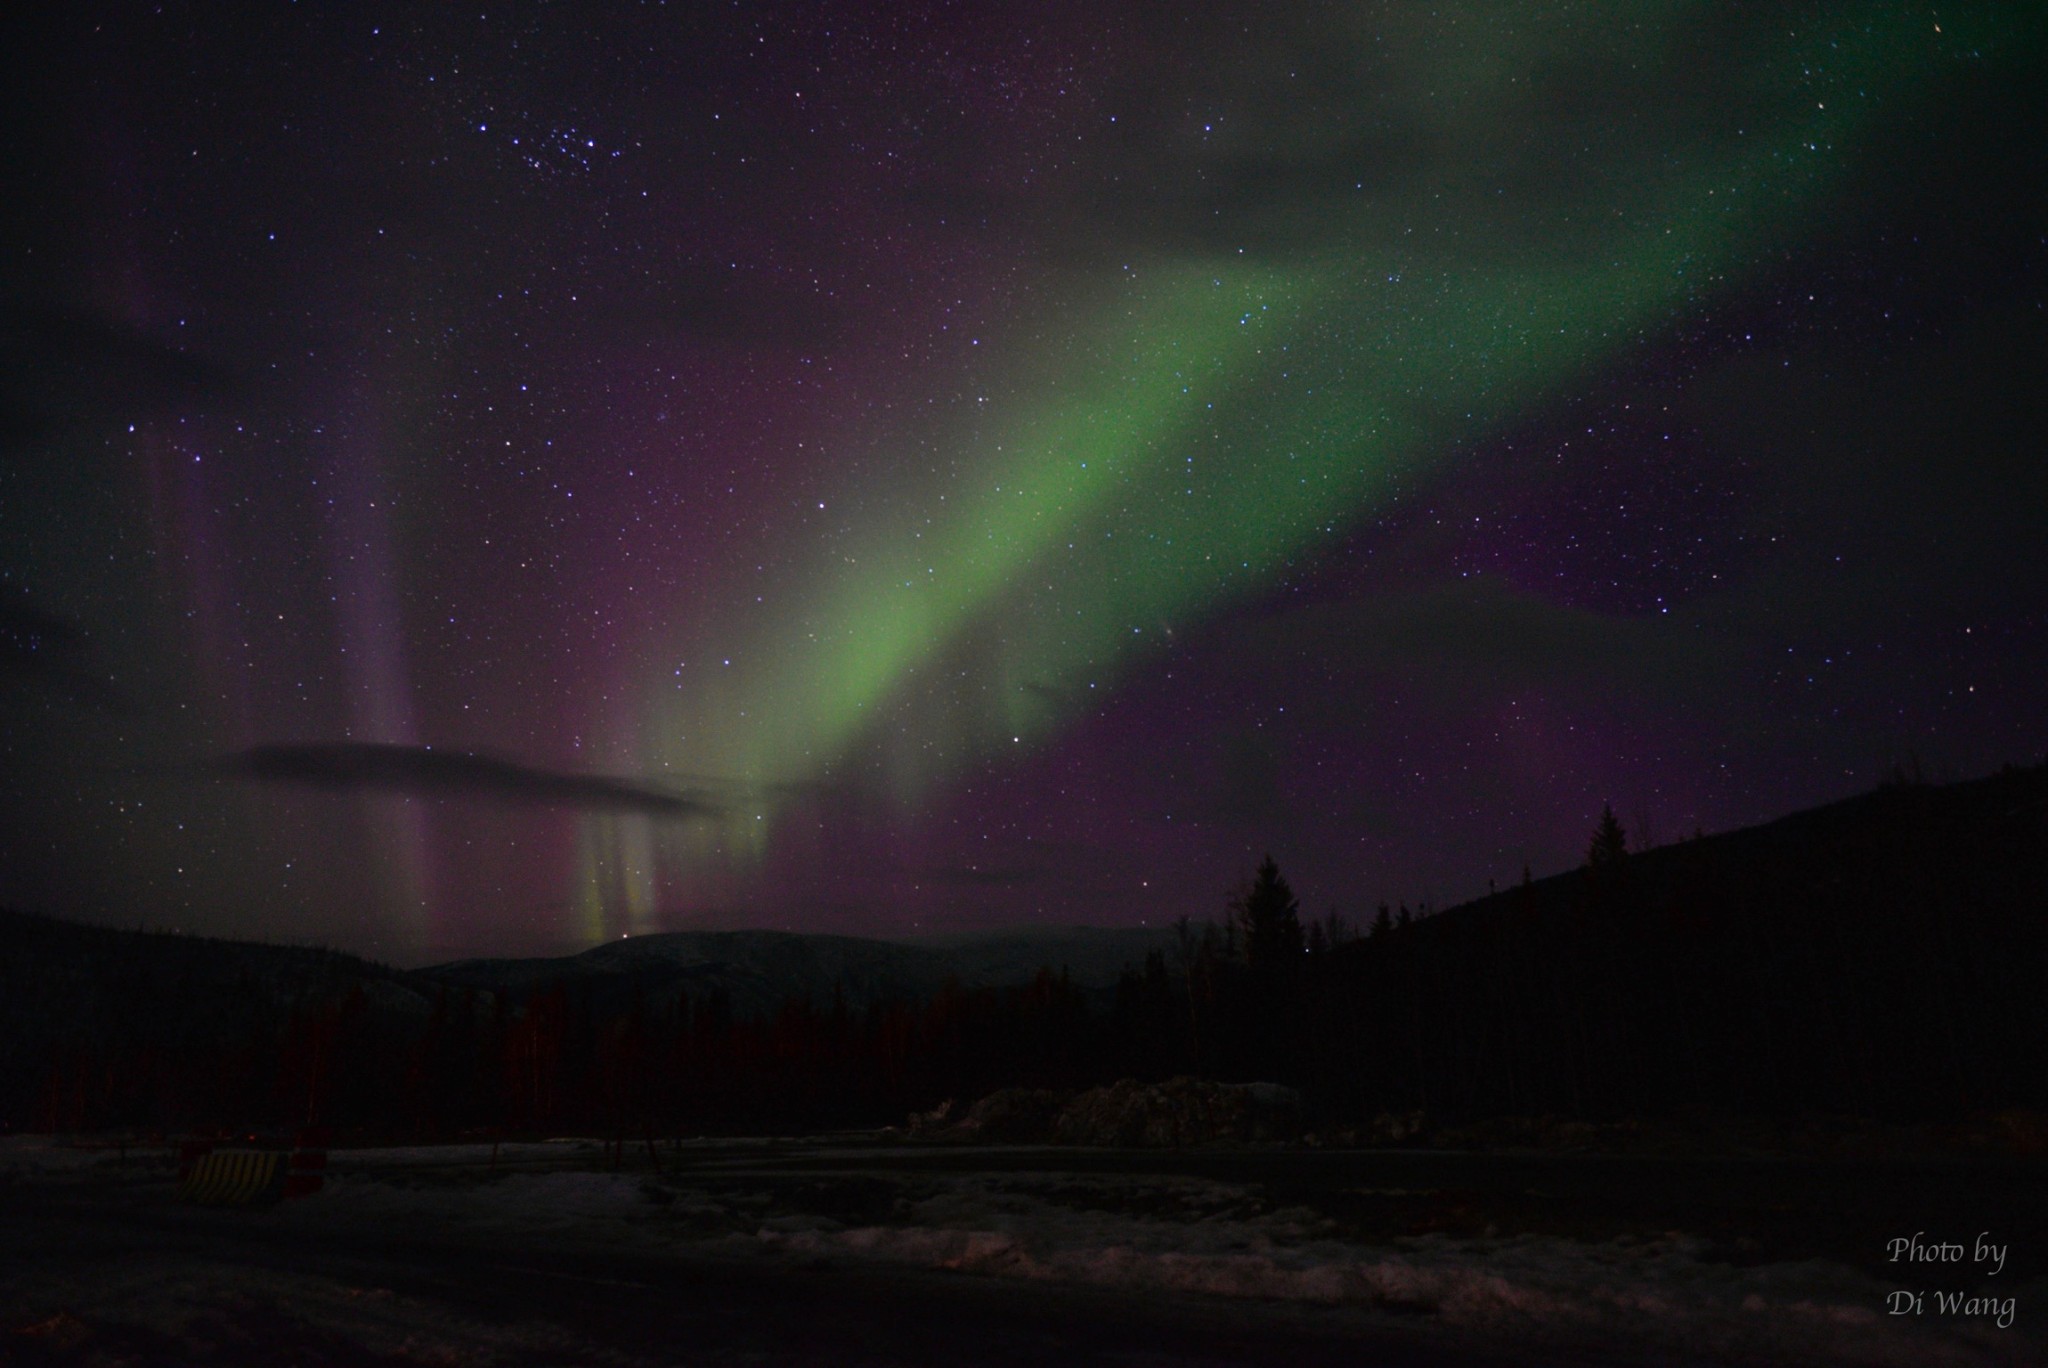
{"x": 1268, "y": 918}
{"x": 1609, "y": 846}
{"x": 1382, "y": 922}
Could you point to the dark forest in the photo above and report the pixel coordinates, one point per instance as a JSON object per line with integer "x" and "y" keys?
{"x": 1879, "y": 958}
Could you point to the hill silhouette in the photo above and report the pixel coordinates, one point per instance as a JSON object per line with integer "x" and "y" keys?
{"x": 1881, "y": 957}
{"x": 759, "y": 971}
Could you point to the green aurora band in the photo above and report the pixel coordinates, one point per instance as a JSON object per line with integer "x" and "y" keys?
{"x": 1215, "y": 419}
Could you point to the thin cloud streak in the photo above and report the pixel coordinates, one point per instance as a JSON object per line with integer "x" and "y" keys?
{"x": 421, "y": 770}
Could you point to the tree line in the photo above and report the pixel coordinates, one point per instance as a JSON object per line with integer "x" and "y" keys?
{"x": 1882, "y": 958}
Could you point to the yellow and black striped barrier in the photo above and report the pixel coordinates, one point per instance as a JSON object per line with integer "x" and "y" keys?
{"x": 235, "y": 1177}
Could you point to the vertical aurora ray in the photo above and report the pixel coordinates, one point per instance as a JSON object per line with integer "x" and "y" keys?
{"x": 1213, "y": 420}
{"x": 616, "y": 857}
{"x": 369, "y": 569}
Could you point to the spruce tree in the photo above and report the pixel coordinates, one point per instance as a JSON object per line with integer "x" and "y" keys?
{"x": 1268, "y": 918}
{"x": 1610, "y": 843}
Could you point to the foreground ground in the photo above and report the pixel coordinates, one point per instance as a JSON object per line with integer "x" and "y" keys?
{"x": 859, "y": 1251}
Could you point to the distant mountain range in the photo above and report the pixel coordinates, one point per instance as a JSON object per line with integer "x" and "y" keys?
{"x": 74, "y": 997}
{"x": 1891, "y": 943}
{"x": 58, "y": 977}
{"x": 758, "y": 971}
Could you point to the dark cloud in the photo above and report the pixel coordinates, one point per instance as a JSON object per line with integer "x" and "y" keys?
{"x": 1249, "y": 788}
{"x": 423, "y": 771}
{"x": 1033, "y": 862}
{"x": 712, "y": 308}
{"x": 61, "y": 367}
{"x": 26, "y": 628}
{"x": 46, "y": 651}
{"x": 1059, "y": 699}
{"x": 975, "y": 876}
{"x": 1326, "y": 124}
{"x": 1481, "y": 632}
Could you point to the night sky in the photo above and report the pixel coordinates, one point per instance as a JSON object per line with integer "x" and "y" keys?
{"x": 490, "y": 480}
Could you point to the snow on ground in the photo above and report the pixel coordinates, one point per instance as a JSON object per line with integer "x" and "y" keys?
{"x": 1175, "y": 1233}
{"x": 141, "y": 1304}
{"x": 156, "y": 1311}
{"x": 1661, "y": 1293}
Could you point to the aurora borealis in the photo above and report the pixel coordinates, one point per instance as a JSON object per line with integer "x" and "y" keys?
{"x": 884, "y": 468}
